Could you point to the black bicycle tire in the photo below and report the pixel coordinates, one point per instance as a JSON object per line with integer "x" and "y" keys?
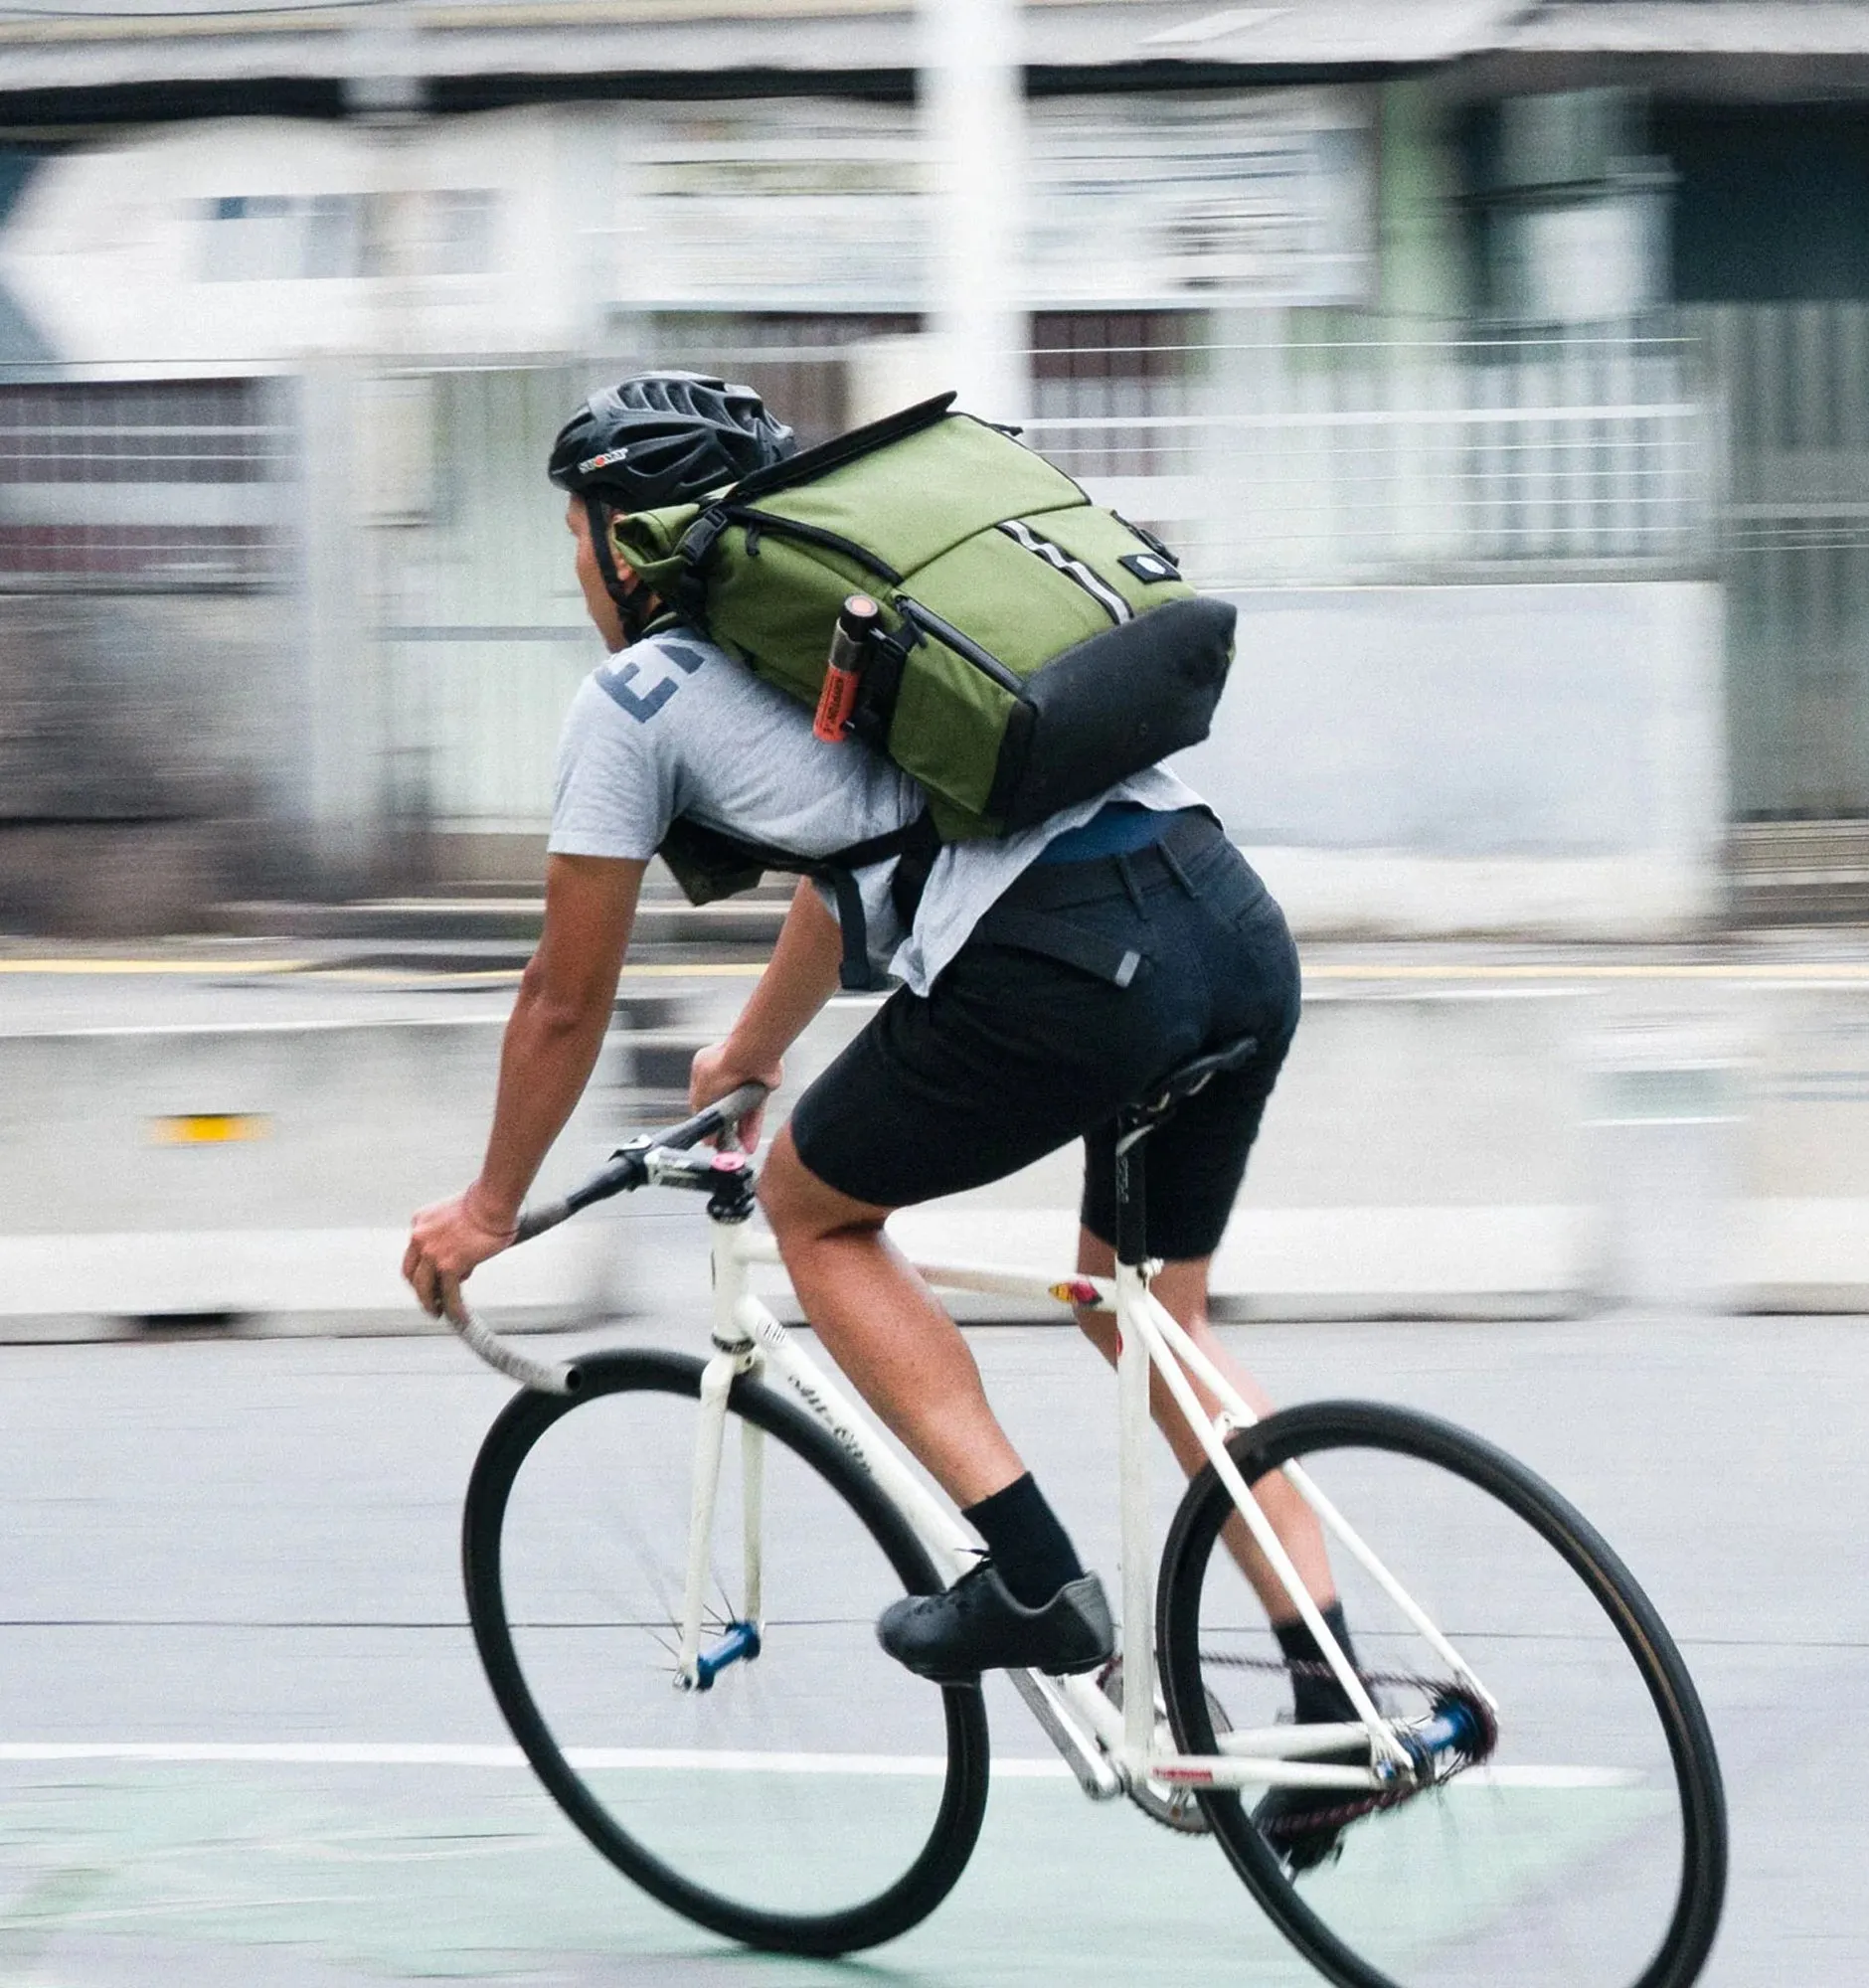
{"x": 956, "y": 1825}
{"x": 1295, "y": 1432}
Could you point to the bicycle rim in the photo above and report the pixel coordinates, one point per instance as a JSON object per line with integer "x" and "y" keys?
{"x": 816, "y": 1798}
{"x": 1580, "y": 1842}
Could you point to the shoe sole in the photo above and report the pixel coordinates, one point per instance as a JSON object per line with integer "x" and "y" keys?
{"x": 1078, "y": 1669}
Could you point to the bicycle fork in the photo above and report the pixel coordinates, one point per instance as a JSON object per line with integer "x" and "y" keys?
{"x": 740, "y": 1640}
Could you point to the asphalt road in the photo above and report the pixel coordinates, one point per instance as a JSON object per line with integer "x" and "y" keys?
{"x": 231, "y": 1577}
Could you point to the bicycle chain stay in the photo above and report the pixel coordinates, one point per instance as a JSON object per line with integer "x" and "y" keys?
{"x": 1313, "y": 1819}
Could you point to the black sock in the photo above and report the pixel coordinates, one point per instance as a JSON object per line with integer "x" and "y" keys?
{"x": 1317, "y": 1700}
{"x": 1031, "y": 1549}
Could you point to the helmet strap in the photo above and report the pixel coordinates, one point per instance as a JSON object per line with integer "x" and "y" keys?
{"x": 632, "y": 602}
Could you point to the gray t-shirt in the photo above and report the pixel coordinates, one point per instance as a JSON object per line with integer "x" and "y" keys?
{"x": 674, "y": 727}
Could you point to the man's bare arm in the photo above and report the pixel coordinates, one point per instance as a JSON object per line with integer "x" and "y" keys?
{"x": 550, "y": 1046}
{"x": 800, "y": 979}
{"x": 565, "y": 997}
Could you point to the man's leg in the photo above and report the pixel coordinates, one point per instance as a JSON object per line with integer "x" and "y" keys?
{"x": 1182, "y": 1290}
{"x": 1031, "y": 1604}
{"x": 882, "y": 1325}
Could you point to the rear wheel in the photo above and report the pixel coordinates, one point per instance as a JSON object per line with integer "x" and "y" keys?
{"x": 815, "y": 1798}
{"x": 1575, "y": 1838}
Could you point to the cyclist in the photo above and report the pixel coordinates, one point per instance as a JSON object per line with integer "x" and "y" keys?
{"x": 992, "y": 1051}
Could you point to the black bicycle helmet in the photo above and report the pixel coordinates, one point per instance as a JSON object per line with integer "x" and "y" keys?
{"x": 658, "y": 438}
{"x": 664, "y": 437}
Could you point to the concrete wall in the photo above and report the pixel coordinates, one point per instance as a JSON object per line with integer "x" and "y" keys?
{"x": 1802, "y": 1166}
{"x": 1675, "y": 1139}
{"x": 146, "y": 744}
{"x": 112, "y": 1221}
{"x": 1544, "y": 759}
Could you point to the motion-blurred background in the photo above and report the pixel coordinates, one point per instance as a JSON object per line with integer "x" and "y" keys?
{"x": 1507, "y": 362}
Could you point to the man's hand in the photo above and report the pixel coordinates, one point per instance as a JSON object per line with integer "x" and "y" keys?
{"x": 717, "y": 1071}
{"x": 445, "y": 1243}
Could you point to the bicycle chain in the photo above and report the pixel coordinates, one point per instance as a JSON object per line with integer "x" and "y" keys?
{"x": 1308, "y": 1667}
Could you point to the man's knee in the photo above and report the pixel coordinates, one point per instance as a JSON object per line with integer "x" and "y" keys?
{"x": 799, "y": 1206}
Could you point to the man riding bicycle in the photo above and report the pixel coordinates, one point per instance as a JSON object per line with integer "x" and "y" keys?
{"x": 992, "y": 1051}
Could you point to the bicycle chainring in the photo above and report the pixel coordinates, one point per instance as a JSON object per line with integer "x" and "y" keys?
{"x": 1174, "y": 1808}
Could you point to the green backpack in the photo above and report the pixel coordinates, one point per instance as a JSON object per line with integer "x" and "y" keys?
{"x": 1029, "y": 649}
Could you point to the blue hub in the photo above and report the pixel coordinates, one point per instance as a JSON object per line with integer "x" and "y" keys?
{"x": 741, "y": 1643}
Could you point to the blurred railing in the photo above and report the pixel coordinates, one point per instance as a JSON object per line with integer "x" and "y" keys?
{"x": 441, "y": 630}
{"x": 1294, "y": 462}
{"x": 1276, "y": 462}
{"x": 146, "y": 486}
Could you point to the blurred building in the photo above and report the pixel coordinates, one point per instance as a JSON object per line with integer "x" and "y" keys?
{"x": 1505, "y": 362}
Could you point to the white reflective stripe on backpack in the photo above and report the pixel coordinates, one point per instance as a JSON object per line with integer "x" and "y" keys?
{"x": 1106, "y": 595}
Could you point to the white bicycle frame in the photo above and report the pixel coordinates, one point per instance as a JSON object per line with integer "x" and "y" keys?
{"x": 1108, "y": 1748}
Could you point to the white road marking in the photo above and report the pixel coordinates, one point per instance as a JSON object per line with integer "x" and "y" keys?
{"x": 407, "y": 1753}
{"x": 1550, "y": 1778}
{"x": 393, "y": 1753}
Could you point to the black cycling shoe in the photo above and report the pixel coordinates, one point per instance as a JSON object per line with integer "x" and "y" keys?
{"x": 1304, "y": 1826}
{"x": 978, "y": 1625}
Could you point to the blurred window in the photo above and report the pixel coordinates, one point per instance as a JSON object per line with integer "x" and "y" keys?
{"x": 331, "y": 245}
{"x": 249, "y": 238}
{"x": 460, "y": 231}
{"x": 1576, "y": 227}
{"x": 273, "y": 238}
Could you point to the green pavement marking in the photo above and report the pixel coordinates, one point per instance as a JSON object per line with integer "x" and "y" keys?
{"x": 461, "y": 1874}
{"x": 1394, "y": 1897}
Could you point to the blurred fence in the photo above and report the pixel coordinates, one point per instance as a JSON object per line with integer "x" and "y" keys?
{"x": 1276, "y": 462}
{"x": 434, "y": 632}
{"x": 142, "y": 485}
{"x": 1293, "y": 463}
{"x": 1795, "y": 545}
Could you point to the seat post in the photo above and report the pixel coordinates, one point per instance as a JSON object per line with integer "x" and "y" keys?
{"x": 1132, "y": 1129}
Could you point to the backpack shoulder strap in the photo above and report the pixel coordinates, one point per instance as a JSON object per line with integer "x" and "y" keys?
{"x": 710, "y": 864}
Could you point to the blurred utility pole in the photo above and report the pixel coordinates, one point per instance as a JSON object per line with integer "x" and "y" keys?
{"x": 973, "y": 98}
{"x": 367, "y": 447}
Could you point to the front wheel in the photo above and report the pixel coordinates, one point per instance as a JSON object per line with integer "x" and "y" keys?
{"x": 1575, "y": 1835}
{"x": 816, "y": 1797}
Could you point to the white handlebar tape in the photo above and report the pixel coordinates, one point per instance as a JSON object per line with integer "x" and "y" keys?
{"x": 542, "y": 1377}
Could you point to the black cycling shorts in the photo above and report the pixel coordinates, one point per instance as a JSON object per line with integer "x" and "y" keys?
{"x": 1019, "y": 1049}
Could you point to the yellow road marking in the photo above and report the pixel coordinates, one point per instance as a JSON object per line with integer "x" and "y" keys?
{"x": 76, "y": 967}
{"x": 209, "y": 1128}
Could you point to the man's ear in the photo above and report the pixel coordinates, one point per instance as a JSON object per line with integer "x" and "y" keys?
{"x": 624, "y": 570}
